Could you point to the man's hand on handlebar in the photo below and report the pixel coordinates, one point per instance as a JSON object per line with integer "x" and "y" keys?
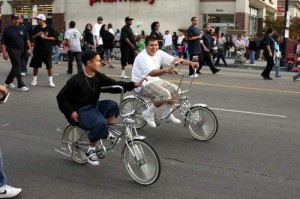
{"x": 171, "y": 71}
{"x": 140, "y": 83}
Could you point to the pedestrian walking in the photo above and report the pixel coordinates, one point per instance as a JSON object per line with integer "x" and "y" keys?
{"x": 206, "y": 45}
{"x": 74, "y": 42}
{"x": 156, "y": 33}
{"x": 108, "y": 43}
{"x": 97, "y": 38}
{"x": 268, "y": 54}
{"x": 14, "y": 42}
{"x": 88, "y": 38}
{"x": 277, "y": 55}
{"x": 128, "y": 46}
{"x": 194, "y": 47}
{"x": 43, "y": 37}
{"x": 28, "y": 27}
{"x": 6, "y": 191}
{"x": 252, "y": 50}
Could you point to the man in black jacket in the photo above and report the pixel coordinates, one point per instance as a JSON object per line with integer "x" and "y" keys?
{"x": 78, "y": 100}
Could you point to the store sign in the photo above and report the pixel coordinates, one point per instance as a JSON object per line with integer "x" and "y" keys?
{"x": 115, "y": 1}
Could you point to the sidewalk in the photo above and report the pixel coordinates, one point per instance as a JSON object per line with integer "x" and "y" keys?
{"x": 259, "y": 65}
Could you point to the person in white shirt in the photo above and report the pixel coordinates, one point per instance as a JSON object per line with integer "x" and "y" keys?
{"x": 73, "y": 40}
{"x": 180, "y": 38}
{"x": 147, "y": 65}
{"x": 168, "y": 41}
{"x": 97, "y": 39}
{"x": 110, "y": 29}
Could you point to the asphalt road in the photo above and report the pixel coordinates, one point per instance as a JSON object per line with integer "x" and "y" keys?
{"x": 254, "y": 155}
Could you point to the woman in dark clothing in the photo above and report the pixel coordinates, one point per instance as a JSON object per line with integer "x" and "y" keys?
{"x": 268, "y": 54}
{"x": 228, "y": 44}
{"x": 155, "y": 32}
{"x": 252, "y": 49}
{"x": 88, "y": 37}
{"x": 108, "y": 43}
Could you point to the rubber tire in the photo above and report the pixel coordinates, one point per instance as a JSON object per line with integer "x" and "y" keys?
{"x": 141, "y": 107}
{"x": 129, "y": 168}
{"x": 211, "y": 114}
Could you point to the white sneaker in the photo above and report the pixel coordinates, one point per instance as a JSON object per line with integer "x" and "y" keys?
{"x": 124, "y": 76}
{"x": 11, "y": 85}
{"x": 33, "y": 83}
{"x": 92, "y": 158}
{"x": 149, "y": 119}
{"x": 23, "y": 89}
{"x": 173, "y": 119}
{"x": 193, "y": 76}
{"x": 7, "y": 191}
{"x": 51, "y": 84}
{"x": 23, "y": 74}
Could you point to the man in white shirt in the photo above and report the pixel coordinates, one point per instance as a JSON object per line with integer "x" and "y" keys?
{"x": 147, "y": 64}
{"x": 97, "y": 39}
{"x": 168, "y": 41}
{"x": 74, "y": 41}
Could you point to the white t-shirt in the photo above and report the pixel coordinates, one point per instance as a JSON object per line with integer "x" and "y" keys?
{"x": 96, "y": 32}
{"x": 180, "y": 39}
{"x": 144, "y": 64}
{"x": 111, "y": 31}
{"x": 75, "y": 38}
{"x": 168, "y": 40}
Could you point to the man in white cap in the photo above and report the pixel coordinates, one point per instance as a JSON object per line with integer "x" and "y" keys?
{"x": 43, "y": 35}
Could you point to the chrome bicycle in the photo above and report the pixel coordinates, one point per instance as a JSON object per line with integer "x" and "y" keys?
{"x": 199, "y": 120}
{"x": 140, "y": 159}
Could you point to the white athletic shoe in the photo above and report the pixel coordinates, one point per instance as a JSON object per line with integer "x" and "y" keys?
{"x": 7, "y": 191}
{"x": 11, "y": 85}
{"x": 193, "y": 76}
{"x": 23, "y": 89}
{"x": 23, "y": 74}
{"x": 51, "y": 84}
{"x": 149, "y": 119}
{"x": 173, "y": 119}
{"x": 33, "y": 83}
{"x": 124, "y": 76}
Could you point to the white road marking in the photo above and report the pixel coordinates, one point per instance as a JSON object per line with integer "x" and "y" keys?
{"x": 247, "y": 112}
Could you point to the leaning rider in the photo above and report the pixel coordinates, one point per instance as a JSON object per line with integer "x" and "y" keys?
{"x": 147, "y": 65}
{"x": 78, "y": 100}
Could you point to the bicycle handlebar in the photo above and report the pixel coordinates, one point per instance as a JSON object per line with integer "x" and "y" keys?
{"x": 121, "y": 89}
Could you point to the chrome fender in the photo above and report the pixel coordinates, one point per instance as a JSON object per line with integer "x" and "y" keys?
{"x": 192, "y": 107}
{"x": 198, "y": 105}
{"x": 137, "y": 137}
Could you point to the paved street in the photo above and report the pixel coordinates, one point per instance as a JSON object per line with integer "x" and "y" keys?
{"x": 254, "y": 155}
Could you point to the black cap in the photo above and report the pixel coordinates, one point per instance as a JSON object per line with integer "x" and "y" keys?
{"x": 129, "y": 18}
{"x": 15, "y": 16}
{"x": 100, "y": 18}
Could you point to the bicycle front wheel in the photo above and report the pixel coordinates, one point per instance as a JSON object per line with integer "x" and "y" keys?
{"x": 141, "y": 162}
{"x": 201, "y": 123}
{"x": 128, "y": 105}
{"x": 77, "y": 142}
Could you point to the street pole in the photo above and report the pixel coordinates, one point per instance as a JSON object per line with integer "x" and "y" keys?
{"x": 286, "y": 28}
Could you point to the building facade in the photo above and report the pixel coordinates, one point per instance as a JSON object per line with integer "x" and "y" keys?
{"x": 294, "y": 8}
{"x": 225, "y": 15}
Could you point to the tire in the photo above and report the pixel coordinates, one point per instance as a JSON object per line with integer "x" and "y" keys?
{"x": 145, "y": 170}
{"x": 77, "y": 142}
{"x": 129, "y": 104}
{"x": 201, "y": 123}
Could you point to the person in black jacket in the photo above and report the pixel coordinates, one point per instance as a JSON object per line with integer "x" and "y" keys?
{"x": 88, "y": 38}
{"x": 78, "y": 101}
{"x": 108, "y": 43}
{"x": 252, "y": 49}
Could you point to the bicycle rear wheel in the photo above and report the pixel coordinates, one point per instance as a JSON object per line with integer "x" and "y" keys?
{"x": 128, "y": 105}
{"x": 77, "y": 142}
{"x": 141, "y": 162}
{"x": 201, "y": 123}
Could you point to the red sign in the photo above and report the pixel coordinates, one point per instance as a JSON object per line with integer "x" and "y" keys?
{"x": 114, "y": 1}
{"x": 280, "y": 9}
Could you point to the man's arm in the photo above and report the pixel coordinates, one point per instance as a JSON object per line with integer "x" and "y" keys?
{"x": 129, "y": 43}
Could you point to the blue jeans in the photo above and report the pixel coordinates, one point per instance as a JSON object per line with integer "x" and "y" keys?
{"x": 277, "y": 67}
{"x": 3, "y": 178}
{"x": 252, "y": 56}
{"x": 56, "y": 54}
{"x": 297, "y": 75}
{"x": 94, "y": 118}
{"x": 108, "y": 53}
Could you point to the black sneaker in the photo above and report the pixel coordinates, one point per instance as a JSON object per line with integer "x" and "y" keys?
{"x": 216, "y": 71}
{"x": 92, "y": 157}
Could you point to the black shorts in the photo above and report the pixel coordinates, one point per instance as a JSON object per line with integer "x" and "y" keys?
{"x": 127, "y": 57}
{"x": 38, "y": 59}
